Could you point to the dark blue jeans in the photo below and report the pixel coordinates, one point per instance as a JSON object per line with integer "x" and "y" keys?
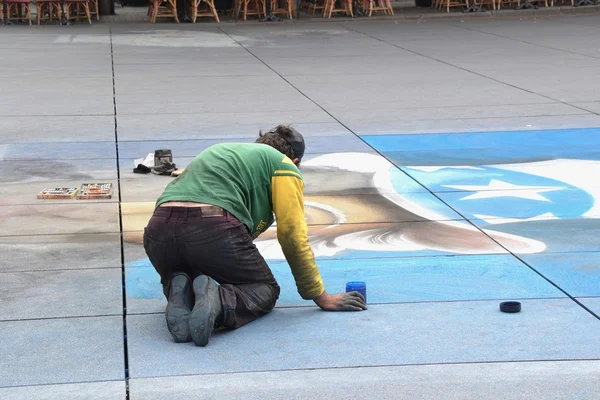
{"x": 182, "y": 239}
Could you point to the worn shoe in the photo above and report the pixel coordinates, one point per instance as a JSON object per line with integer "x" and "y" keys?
{"x": 179, "y": 307}
{"x": 207, "y": 309}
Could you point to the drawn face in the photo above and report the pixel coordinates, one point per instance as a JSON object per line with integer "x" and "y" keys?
{"x": 356, "y": 202}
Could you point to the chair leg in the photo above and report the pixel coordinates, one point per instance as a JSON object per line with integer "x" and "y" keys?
{"x": 173, "y": 4}
{"x": 214, "y": 10}
{"x": 194, "y": 10}
{"x": 155, "y": 5}
{"x": 88, "y": 13}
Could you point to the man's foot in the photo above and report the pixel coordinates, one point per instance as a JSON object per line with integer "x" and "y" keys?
{"x": 179, "y": 307}
{"x": 207, "y": 309}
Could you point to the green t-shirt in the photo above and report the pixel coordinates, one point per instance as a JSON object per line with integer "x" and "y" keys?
{"x": 236, "y": 177}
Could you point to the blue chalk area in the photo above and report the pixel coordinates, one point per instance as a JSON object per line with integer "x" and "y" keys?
{"x": 576, "y": 273}
{"x": 593, "y": 303}
{"x": 142, "y": 281}
{"x": 391, "y": 280}
{"x": 442, "y": 179}
{"x": 539, "y": 139}
{"x": 476, "y": 157}
{"x": 403, "y": 182}
{"x": 571, "y": 203}
{"x": 414, "y": 279}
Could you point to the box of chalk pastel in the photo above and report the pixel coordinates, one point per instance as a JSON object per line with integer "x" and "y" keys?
{"x": 95, "y": 191}
{"x": 58, "y": 193}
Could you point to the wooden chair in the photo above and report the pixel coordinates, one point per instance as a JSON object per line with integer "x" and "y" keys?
{"x": 203, "y": 8}
{"x": 17, "y": 10}
{"x": 252, "y": 7}
{"x": 162, "y": 9}
{"x": 486, "y": 2}
{"x": 510, "y": 3}
{"x": 47, "y": 10}
{"x": 448, "y": 4}
{"x": 78, "y": 9}
{"x": 345, "y": 7}
{"x": 314, "y": 5}
{"x": 288, "y": 9}
{"x": 369, "y": 6}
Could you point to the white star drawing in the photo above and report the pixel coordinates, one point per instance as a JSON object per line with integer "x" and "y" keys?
{"x": 504, "y": 189}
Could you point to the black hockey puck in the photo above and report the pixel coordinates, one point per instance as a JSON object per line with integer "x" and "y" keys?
{"x": 510, "y": 306}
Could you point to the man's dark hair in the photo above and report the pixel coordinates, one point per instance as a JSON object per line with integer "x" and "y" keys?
{"x": 285, "y": 139}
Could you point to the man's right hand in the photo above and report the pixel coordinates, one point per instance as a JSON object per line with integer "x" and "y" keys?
{"x": 351, "y": 301}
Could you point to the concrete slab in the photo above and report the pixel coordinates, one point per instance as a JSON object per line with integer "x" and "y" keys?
{"x": 60, "y": 293}
{"x": 161, "y": 56}
{"x": 56, "y": 104}
{"x": 576, "y": 273}
{"x": 459, "y": 88}
{"x": 388, "y": 64}
{"x": 555, "y": 235}
{"x": 191, "y": 148}
{"x": 57, "y": 170}
{"x": 472, "y": 117}
{"x": 40, "y": 87}
{"x": 258, "y": 89}
{"x": 225, "y": 125}
{"x": 505, "y": 200}
{"x": 58, "y": 151}
{"x": 102, "y": 71}
{"x": 523, "y": 380}
{"x": 60, "y": 252}
{"x": 389, "y": 280}
{"x": 203, "y": 45}
{"x": 472, "y": 124}
{"x": 28, "y": 129}
{"x": 130, "y": 74}
{"x": 70, "y": 350}
{"x": 19, "y": 36}
{"x": 590, "y": 106}
{"x": 75, "y": 218}
{"x": 593, "y": 303}
{"x": 97, "y": 390}
{"x": 540, "y": 32}
{"x": 45, "y": 60}
{"x": 413, "y": 334}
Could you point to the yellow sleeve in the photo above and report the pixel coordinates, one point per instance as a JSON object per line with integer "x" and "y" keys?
{"x": 292, "y": 233}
